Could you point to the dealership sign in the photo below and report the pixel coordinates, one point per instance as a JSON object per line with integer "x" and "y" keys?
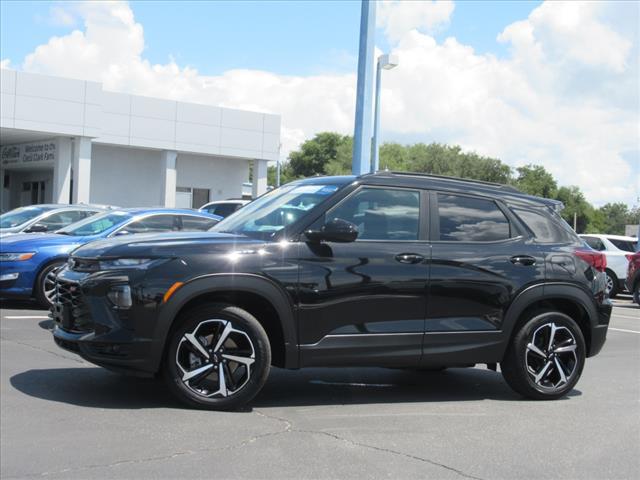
{"x": 29, "y": 153}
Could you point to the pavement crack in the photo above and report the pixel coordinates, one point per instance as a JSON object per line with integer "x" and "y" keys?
{"x": 77, "y": 360}
{"x": 388, "y": 450}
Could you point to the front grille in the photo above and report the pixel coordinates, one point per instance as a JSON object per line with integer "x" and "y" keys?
{"x": 69, "y": 309}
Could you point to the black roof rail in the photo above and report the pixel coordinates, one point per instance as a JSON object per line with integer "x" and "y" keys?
{"x": 501, "y": 186}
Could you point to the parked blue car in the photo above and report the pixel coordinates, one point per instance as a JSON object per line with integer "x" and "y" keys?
{"x": 27, "y": 260}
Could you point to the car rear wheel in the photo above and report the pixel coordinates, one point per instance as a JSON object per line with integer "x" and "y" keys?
{"x": 218, "y": 358}
{"x": 612, "y": 284}
{"x": 546, "y": 356}
{"x": 45, "y": 287}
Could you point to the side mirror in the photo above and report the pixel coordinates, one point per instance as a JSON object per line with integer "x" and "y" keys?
{"x": 336, "y": 230}
{"x": 37, "y": 228}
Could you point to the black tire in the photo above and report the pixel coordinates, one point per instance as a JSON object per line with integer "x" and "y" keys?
{"x": 612, "y": 280}
{"x": 40, "y": 286}
{"x": 518, "y": 365}
{"x": 206, "y": 324}
{"x": 636, "y": 293}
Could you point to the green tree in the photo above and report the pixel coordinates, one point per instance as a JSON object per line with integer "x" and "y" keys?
{"x": 615, "y": 217}
{"x": 575, "y": 205}
{"x": 535, "y": 180}
{"x": 315, "y": 154}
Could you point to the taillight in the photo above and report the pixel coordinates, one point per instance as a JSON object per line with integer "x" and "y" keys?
{"x": 596, "y": 259}
{"x": 629, "y": 256}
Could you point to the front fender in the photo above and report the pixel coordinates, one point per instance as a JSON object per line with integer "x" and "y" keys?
{"x": 236, "y": 282}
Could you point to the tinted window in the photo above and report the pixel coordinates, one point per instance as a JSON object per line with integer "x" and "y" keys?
{"x": 58, "y": 220}
{"x": 382, "y": 214}
{"x": 190, "y": 223}
{"x": 468, "y": 219}
{"x": 19, "y": 216}
{"x": 223, "y": 209}
{"x": 153, "y": 224}
{"x": 625, "y": 245}
{"x": 594, "y": 243}
{"x": 96, "y": 224}
{"x": 545, "y": 227}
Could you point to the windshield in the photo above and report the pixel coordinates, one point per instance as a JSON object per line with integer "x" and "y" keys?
{"x": 96, "y": 224}
{"x": 270, "y": 213}
{"x": 19, "y": 216}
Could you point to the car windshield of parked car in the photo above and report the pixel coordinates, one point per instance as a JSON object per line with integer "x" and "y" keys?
{"x": 96, "y": 225}
{"x": 273, "y": 211}
{"x": 20, "y": 216}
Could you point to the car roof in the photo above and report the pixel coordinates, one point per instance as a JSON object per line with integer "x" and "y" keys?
{"x": 170, "y": 211}
{"x": 613, "y": 237}
{"x": 454, "y": 184}
{"x": 231, "y": 200}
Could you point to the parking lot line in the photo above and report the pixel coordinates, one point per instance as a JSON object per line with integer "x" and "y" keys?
{"x": 17, "y": 317}
{"x": 623, "y": 330}
{"x": 617, "y": 315}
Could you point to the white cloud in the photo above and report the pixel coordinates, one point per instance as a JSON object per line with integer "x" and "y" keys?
{"x": 398, "y": 17}
{"x": 566, "y": 97}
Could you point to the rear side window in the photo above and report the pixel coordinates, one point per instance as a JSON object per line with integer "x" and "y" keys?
{"x": 190, "y": 223}
{"x": 223, "y": 209}
{"x": 468, "y": 219}
{"x": 62, "y": 219}
{"x": 594, "y": 243}
{"x": 153, "y": 224}
{"x": 547, "y": 229}
{"x": 624, "y": 245}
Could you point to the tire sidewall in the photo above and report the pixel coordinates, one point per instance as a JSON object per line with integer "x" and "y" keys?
{"x": 241, "y": 320}
{"x": 41, "y": 278}
{"x": 614, "y": 282}
{"x": 524, "y": 336}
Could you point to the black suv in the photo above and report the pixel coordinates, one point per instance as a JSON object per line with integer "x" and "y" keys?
{"x": 390, "y": 270}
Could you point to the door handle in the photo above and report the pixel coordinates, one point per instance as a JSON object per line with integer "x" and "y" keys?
{"x": 409, "y": 258}
{"x": 523, "y": 260}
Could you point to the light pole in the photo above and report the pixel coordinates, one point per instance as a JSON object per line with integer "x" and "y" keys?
{"x": 386, "y": 62}
{"x": 362, "y": 128}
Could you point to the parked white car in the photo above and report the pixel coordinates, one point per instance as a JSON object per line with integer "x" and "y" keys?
{"x": 224, "y": 208}
{"x": 618, "y": 250}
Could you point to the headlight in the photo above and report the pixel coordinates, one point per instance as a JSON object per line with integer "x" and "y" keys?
{"x": 15, "y": 257}
{"x": 120, "y": 296}
{"x": 118, "y": 263}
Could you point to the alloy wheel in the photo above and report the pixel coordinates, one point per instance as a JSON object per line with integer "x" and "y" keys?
{"x": 551, "y": 356}
{"x": 49, "y": 286}
{"x": 610, "y": 284}
{"x": 215, "y": 359}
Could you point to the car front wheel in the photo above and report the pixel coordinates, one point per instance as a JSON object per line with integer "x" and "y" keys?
{"x": 218, "y": 358}
{"x": 546, "y": 356}
{"x": 45, "y": 287}
{"x": 612, "y": 284}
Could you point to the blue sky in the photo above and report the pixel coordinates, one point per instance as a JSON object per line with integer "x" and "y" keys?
{"x": 286, "y": 37}
{"x": 560, "y": 88}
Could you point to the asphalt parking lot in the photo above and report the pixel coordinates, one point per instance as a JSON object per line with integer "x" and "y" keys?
{"x": 64, "y": 418}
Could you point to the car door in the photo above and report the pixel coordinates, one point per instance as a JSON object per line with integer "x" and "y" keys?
{"x": 364, "y": 302}
{"x": 480, "y": 261}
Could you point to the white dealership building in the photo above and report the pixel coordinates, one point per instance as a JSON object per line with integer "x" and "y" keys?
{"x": 70, "y": 141}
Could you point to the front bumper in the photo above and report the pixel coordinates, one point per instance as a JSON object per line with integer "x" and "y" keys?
{"x": 17, "y": 278}
{"x": 86, "y": 323}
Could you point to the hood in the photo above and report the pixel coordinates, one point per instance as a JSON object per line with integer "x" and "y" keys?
{"x": 163, "y": 244}
{"x": 15, "y": 243}
{"x": 9, "y": 230}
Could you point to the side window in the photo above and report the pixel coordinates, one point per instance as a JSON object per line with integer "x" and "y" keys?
{"x": 468, "y": 219}
{"x": 595, "y": 243}
{"x": 190, "y": 223}
{"x": 225, "y": 209}
{"x": 62, "y": 219}
{"x": 544, "y": 226}
{"x": 156, "y": 223}
{"x": 382, "y": 214}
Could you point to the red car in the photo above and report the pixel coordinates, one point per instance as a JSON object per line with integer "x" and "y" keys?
{"x": 633, "y": 276}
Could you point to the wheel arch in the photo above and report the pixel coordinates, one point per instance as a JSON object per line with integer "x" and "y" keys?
{"x": 261, "y": 297}
{"x": 563, "y": 297}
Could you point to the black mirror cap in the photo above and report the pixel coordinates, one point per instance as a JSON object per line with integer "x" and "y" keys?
{"x": 37, "y": 228}
{"x": 335, "y": 230}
